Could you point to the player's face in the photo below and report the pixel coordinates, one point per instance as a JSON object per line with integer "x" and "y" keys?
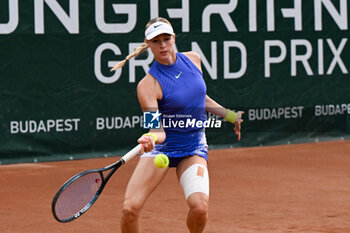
{"x": 162, "y": 47}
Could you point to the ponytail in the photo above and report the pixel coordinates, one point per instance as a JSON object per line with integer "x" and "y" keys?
{"x": 137, "y": 52}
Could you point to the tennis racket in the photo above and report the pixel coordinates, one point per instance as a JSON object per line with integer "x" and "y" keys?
{"x": 81, "y": 191}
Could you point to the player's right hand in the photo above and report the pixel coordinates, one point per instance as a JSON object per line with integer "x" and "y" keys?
{"x": 147, "y": 143}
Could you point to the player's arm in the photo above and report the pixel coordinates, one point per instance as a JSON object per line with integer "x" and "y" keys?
{"x": 149, "y": 92}
{"x": 234, "y": 117}
{"x": 212, "y": 106}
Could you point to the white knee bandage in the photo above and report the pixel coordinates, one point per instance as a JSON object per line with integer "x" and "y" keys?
{"x": 195, "y": 179}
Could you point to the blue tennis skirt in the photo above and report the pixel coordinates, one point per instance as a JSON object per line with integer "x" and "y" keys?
{"x": 179, "y": 145}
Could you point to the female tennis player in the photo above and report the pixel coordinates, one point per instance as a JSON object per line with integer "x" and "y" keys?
{"x": 174, "y": 85}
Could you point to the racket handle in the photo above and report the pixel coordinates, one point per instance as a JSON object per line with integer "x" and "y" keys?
{"x": 131, "y": 154}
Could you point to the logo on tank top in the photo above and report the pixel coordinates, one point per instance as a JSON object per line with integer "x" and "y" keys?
{"x": 178, "y": 76}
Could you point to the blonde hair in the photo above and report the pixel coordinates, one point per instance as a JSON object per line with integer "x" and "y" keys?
{"x": 143, "y": 47}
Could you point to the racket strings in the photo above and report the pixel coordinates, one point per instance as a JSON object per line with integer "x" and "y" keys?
{"x": 77, "y": 195}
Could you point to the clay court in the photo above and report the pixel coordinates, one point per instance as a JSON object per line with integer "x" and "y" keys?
{"x": 289, "y": 188}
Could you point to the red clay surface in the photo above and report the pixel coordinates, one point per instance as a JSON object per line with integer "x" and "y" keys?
{"x": 291, "y": 188}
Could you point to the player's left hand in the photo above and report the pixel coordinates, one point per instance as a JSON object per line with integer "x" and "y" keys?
{"x": 238, "y": 122}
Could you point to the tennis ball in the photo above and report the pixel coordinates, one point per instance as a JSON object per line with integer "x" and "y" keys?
{"x": 161, "y": 161}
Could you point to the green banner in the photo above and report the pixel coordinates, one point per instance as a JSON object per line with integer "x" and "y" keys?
{"x": 285, "y": 63}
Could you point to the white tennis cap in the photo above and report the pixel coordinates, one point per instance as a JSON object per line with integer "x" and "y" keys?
{"x": 158, "y": 28}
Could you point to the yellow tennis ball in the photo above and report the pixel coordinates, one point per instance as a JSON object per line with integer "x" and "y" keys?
{"x": 161, "y": 161}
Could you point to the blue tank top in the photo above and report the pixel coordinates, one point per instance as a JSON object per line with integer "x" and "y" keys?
{"x": 184, "y": 94}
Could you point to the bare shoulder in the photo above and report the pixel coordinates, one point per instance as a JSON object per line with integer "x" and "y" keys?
{"x": 192, "y": 54}
{"x": 194, "y": 57}
{"x": 144, "y": 83}
{"x": 149, "y": 87}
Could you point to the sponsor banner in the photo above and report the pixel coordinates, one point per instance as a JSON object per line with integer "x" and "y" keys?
{"x": 284, "y": 63}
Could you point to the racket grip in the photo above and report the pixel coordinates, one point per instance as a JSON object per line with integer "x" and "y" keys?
{"x": 132, "y": 153}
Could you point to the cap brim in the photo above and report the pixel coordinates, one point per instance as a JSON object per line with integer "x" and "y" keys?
{"x": 157, "y": 33}
{"x": 158, "y": 28}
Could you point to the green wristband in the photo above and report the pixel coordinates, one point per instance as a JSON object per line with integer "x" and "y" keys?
{"x": 231, "y": 116}
{"x": 153, "y": 136}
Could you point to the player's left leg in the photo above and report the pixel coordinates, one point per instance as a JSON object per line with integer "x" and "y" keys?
{"x": 198, "y": 214}
{"x": 192, "y": 173}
